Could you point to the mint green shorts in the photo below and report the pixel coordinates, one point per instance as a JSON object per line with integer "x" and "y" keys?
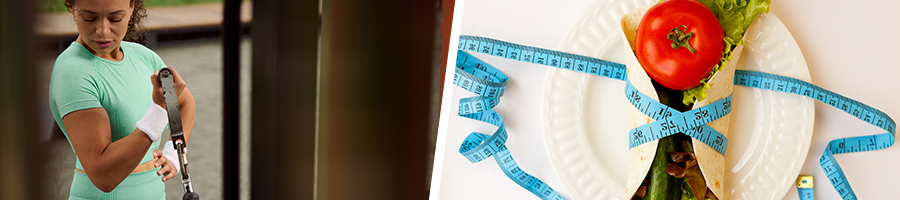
{"x": 141, "y": 185}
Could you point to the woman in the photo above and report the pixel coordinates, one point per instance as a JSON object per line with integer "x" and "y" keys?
{"x": 111, "y": 114}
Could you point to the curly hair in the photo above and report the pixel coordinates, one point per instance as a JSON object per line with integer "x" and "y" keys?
{"x": 135, "y": 27}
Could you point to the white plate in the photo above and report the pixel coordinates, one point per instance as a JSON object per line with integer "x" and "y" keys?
{"x": 585, "y": 117}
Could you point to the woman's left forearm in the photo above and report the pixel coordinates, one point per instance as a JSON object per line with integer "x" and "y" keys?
{"x": 188, "y": 109}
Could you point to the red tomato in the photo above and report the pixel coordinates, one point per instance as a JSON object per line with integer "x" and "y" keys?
{"x": 663, "y": 27}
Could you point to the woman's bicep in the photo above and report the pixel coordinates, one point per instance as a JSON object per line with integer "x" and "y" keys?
{"x": 89, "y": 133}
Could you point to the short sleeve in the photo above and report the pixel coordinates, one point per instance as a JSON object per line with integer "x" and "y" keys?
{"x": 157, "y": 61}
{"x": 72, "y": 89}
{"x": 146, "y": 55}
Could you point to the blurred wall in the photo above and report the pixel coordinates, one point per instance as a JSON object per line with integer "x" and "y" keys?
{"x": 377, "y": 73}
{"x": 344, "y": 114}
{"x": 19, "y": 154}
{"x": 284, "y": 85}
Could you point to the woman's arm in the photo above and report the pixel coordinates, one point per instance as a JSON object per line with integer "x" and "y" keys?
{"x": 108, "y": 163}
{"x": 186, "y": 104}
{"x": 105, "y": 162}
{"x": 188, "y": 109}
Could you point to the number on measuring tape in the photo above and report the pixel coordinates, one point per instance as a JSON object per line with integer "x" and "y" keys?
{"x": 843, "y": 145}
{"x": 668, "y": 120}
{"x": 805, "y": 187}
{"x": 542, "y": 56}
{"x": 489, "y": 84}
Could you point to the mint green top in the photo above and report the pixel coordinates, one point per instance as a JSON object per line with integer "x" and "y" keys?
{"x": 82, "y": 80}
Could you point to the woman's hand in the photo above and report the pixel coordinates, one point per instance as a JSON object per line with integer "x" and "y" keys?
{"x": 168, "y": 168}
{"x": 157, "y": 88}
{"x": 186, "y": 102}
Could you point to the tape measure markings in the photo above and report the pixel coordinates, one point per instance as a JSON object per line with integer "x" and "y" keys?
{"x": 836, "y": 175}
{"x": 492, "y": 82}
{"x": 870, "y": 115}
{"x": 692, "y": 123}
{"x": 805, "y": 193}
{"x": 753, "y": 79}
{"x": 546, "y": 57}
{"x": 478, "y": 146}
{"x": 857, "y": 109}
{"x": 489, "y": 83}
{"x": 805, "y": 187}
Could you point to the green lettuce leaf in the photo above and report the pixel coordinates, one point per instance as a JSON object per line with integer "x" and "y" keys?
{"x": 735, "y": 17}
{"x": 687, "y": 193}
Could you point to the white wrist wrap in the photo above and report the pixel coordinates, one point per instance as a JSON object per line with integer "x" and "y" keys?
{"x": 172, "y": 155}
{"x": 153, "y": 122}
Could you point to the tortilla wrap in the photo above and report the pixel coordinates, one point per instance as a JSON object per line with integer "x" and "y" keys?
{"x": 711, "y": 162}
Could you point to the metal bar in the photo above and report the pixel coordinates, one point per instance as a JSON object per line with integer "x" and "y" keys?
{"x": 376, "y": 73}
{"x": 167, "y": 81}
{"x": 231, "y": 91}
{"x": 284, "y": 113}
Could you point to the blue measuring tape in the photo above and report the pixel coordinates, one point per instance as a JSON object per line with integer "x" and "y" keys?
{"x": 843, "y": 145}
{"x": 667, "y": 117}
{"x": 543, "y": 56}
{"x": 805, "y": 187}
{"x": 692, "y": 122}
{"x": 489, "y": 83}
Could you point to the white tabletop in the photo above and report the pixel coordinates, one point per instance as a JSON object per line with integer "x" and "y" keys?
{"x": 849, "y": 48}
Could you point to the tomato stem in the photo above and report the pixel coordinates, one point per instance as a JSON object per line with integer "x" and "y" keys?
{"x": 680, "y": 38}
